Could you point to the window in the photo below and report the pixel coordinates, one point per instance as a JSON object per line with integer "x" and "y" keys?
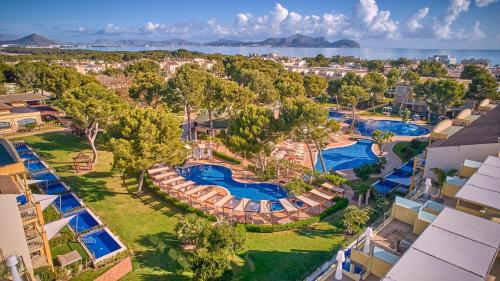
{"x": 26, "y": 121}
{"x": 4, "y": 125}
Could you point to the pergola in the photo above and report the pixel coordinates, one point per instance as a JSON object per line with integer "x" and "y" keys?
{"x": 82, "y": 163}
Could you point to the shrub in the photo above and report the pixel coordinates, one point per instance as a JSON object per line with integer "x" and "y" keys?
{"x": 65, "y": 237}
{"x": 354, "y": 219}
{"x": 415, "y": 143}
{"x": 45, "y": 273}
{"x": 226, "y": 157}
{"x": 264, "y": 175}
{"x": 341, "y": 203}
{"x": 297, "y": 186}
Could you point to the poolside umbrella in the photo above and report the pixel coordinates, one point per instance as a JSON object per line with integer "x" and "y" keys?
{"x": 368, "y": 237}
{"x": 428, "y": 184}
{"x": 340, "y": 259}
{"x": 44, "y": 199}
{"x": 52, "y": 228}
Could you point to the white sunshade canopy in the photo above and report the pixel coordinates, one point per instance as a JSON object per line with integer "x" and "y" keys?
{"x": 44, "y": 199}
{"x": 53, "y": 228}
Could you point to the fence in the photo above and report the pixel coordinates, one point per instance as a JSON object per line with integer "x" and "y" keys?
{"x": 117, "y": 271}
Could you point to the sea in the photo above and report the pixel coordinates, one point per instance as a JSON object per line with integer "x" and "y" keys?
{"x": 367, "y": 53}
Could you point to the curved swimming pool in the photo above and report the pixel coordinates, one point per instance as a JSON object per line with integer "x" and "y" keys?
{"x": 399, "y": 128}
{"x": 208, "y": 174}
{"x": 347, "y": 157}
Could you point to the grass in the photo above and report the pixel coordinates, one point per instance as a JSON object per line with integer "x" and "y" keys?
{"x": 146, "y": 224}
{"x": 406, "y": 151}
{"x": 68, "y": 247}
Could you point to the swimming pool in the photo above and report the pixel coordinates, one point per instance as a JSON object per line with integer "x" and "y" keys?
{"x": 83, "y": 221}
{"x": 399, "y": 128}
{"x": 35, "y": 166}
{"x": 400, "y": 178}
{"x": 347, "y": 157}
{"x": 45, "y": 176}
{"x": 335, "y": 115}
{"x": 29, "y": 157}
{"x": 207, "y": 174}
{"x": 54, "y": 188}
{"x": 100, "y": 243}
{"x": 22, "y": 148}
{"x": 67, "y": 202}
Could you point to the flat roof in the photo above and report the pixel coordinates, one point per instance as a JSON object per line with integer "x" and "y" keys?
{"x": 23, "y": 97}
{"x": 485, "y": 129}
{"x": 8, "y": 154}
{"x": 484, "y": 186}
{"x": 455, "y": 246}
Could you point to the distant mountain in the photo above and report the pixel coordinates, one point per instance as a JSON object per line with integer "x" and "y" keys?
{"x": 139, "y": 43}
{"x": 6, "y": 37}
{"x": 30, "y": 40}
{"x": 225, "y": 42}
{"x": 297, "y": 40}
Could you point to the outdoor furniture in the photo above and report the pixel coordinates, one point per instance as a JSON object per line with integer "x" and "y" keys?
{"x": 82, "y": 163}
{"x": 158, "y": 170}
{"x": 334, "y": 189}
{"x": 69, "y": 258}
{"x": 223, "y": 200}
{"x": 320, "y": 194}
{"x": 158, "y": 177}
{"x": 207, "y": 196}
{"x": 172, "y": 180}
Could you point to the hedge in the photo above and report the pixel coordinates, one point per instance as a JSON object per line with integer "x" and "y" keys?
{"x": 226, "y": 157}
{"x": 181, "y": 205}
{"x": 341, "y": 203}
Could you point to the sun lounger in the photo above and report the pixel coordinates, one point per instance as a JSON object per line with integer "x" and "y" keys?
{"x": 182, "y": 185}
{"x": 158, "y": 177}
{"x": 264, "y": 207}
{"x": 288, "y": 205}
{"x": 252, "y": 207}
{"x": 308, "y": 201}
{"x": 321, "y": 194}
{"x": 158, "y": 170}
{"x": 172, "y": 180}
{"x": 207, "y": 196}
{"x": 196, "y": 189}
{"x": 242, "y": 204}
{"x": 223, "y": 200}
{"x": 333, "y": 188}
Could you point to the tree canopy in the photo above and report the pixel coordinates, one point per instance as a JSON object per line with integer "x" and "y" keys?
{"x": 431, "y": 69}
{"x": 439, "y": 94}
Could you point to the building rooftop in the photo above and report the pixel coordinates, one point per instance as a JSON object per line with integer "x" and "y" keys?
{"x": 484, "y": 186}
{"x": 7, "y": 185}
{"x": 6, "y": 154}
{"x": 455, "y": 246}
{"x": 484, "y": 130}
{"x": 23, "y": 97}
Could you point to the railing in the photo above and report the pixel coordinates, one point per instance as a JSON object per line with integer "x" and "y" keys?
{"x": 28, "y": 213}
{"x": 35, "y": 243}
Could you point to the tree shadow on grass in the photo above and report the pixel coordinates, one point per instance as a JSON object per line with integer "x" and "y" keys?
{"x": 158, "y": 204}
{"x": 163, "y": 255}
{"x": 89, "y": 187}
{"x": 275, "y": 265}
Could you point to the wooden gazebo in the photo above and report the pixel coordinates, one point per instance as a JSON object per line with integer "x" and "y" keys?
{"x": 82, "y": 163}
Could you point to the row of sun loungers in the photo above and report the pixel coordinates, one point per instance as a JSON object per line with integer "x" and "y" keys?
{"x": 216, "y": 199}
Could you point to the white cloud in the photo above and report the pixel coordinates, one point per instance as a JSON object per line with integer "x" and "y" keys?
{"x": 442, "y": 25}
{"x": 414, "y": 22}
{"x": 484, "y": 3}
{"x": 151, "y": 27}
{"x": 477, "y": 33}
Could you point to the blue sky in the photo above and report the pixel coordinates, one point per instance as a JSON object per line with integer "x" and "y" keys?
{"x": 459, "y": 24}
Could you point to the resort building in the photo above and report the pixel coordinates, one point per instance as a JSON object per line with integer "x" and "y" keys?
{"x": 20, "y": 110}
{"x": 454, "y": 144}
{"x": 23, "y": 238}
{"x": 422, "y": 241}
{"x": 404, "y": 99}
{"x": 444, "y": 59}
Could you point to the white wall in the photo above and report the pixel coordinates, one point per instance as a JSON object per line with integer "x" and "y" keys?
{"x": 452, "y": 157}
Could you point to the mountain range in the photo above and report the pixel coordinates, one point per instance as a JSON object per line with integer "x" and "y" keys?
{"x": 294, "y": 41}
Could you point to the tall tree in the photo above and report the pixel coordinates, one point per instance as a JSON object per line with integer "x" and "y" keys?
{"x": 351, "y": 96}
{"x": 315, "y": 86}
{"x": 431, "y": 69}
{"x": 92, "y": 107}
{"x": 185, "y": 89}
{"x": 320, "y": 134}
{"x": 290, "y": 85}
{"x": 484, "y": 86}
{"x": 393, "y": 77}
{"x": 376, "y": 86}
{"x": 439, "y": 94}
{"x": 141, "y": 67}
{"x": 148, "y": 88}
{"x": 381, "y": 138}
{"x": 375, "y": 65}
{"x": 411, "y": 76}
{"x": 143, "y": 137}
{"x": 261, "y": 84}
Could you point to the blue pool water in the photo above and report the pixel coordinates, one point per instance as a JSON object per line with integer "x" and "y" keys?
{"x": 347, "y": 157}
{"x": 47, "y": 176}
{"x": 401, "y": 177}
{"x": 222, "y": 176}
{"x": 34, "y": 166}
{"x": 82, "y": 222}
{"x": 66, "y": 202}
{"x": 54, "y": 188}
{"x": 100, "y": 243}
{"x": 367, "y": 127}
{"x": 335, "y": 115}
{"x": 22, "y": 148}
{"x": 29, "y": 157}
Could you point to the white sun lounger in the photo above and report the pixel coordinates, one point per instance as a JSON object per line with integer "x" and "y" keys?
{"x": 158, "y": 177}
{"x": 333, "y": 188}
{"x": 242, "y": 204}
{"x": 157, "y": 170}
{"x": 172, "y": 180}
{"x": 321, "y": 194}
{"x": 288, "y": 205}
{"x": 182, "y": 185}
{"x": 223, "y": 200}
{"x": 308, "y": 201}
{"x": 264, "y": 207}
{"x": 196, "y": 189}
{"x": 207, "y": 196}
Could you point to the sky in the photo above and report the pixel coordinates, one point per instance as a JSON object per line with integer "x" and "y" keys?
{"x": 452, "y": 24}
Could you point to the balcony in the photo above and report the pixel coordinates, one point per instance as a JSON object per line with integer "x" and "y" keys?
{"x": 34, "y": 244}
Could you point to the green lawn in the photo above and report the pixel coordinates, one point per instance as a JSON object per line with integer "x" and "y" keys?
{"x": 146, "y": 224}
{"x": 406, "y": 151}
